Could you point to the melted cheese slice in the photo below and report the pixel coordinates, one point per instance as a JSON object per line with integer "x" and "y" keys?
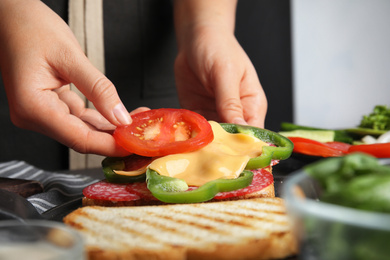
{"x": 225, "y": 157}
{"x": 131, "y": 173}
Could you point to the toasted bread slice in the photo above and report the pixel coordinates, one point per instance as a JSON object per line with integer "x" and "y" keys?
{"x": 240, "y": 229}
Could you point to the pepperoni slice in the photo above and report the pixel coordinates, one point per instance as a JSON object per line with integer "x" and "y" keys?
{"x": 140, "y": 189}
{"x": 104, "y": 190}
{"x": 262, "y": 178}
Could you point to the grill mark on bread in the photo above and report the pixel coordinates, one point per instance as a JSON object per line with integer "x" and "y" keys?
{"x": 172, "y": 229}
{"x": 267, "y": 215}
{"x": 198, "y": 225}
{"x": 219, "y": 222}
{"x": 269, "y": 211}
{"x": 167, "y": 225}
{"x": 93, "y": 229}
{"x": 185, "y": 230}
{"x": 245, "y": 220}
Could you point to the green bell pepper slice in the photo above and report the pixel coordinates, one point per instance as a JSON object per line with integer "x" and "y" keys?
{"x": 109, "y": 164}
{"x": 281, "y": 151}
{"x": 173, "y": 190}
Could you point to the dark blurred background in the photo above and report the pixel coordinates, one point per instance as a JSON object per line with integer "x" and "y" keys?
{"x": 140, "y": 49}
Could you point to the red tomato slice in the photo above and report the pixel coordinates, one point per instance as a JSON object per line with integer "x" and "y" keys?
{"x": 381, "y": 150}
{"x": 315, "y": 148}
{"x": 164, "y": 131}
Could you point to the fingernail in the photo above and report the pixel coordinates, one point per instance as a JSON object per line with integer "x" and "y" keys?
{"x": 121, "y": 114}
{"x": 239, "y": 121}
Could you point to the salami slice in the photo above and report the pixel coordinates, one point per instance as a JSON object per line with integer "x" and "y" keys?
{"x": 104, "y": 190}
{"x": 274, "y": 162}
{"x": 262, "y": 178}
{"x": 140, "y": 189}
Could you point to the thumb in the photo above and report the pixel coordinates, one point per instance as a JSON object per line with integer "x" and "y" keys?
{"x": 229, "y": 107}
{"x": 98, "y": 89}
{"x": 227, "y": 98}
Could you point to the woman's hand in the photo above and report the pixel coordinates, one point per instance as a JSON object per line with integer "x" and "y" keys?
{"x": 39, "y": 57}
{"x": 214, "y": 76}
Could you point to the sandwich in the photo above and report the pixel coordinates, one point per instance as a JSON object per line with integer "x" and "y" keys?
{"x": 177, "y": 156}
{"x": 240, "y": 229}
{"x": 178, "y": 162}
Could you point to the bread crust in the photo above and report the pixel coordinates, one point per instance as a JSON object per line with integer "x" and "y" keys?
{"x": 95, "y": 253}
{"x": 277, "y": 246}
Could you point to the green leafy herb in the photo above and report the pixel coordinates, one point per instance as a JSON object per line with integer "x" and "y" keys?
{"x": 379, "y": 119}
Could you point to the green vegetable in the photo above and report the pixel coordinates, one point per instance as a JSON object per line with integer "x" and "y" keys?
{"x": 281, "y": 151}
{"x": 339, "y": 135}
{"x": 360, "y": 132}
{"x": 379, "y": 119}
{"x": 317, "y": 135}
{"x": 355, "y": 180}
{"x": 173, "y": 190}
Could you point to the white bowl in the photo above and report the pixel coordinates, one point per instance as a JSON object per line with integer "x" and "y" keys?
{"x": 39, "y": 240}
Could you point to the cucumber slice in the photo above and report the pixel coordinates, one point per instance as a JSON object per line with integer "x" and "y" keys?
{"x": 317, "y": 135}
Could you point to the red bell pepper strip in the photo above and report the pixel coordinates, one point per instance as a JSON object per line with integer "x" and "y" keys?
{"x": 334, "y": 149}
{"x": 315, "y": 148}
{"x": 381, "y": 150}
{"x": 339, "y": 145}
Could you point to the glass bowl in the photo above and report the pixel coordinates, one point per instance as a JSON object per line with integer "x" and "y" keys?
{"x": 39, "y": 240}
{"x": 328, "y": 231}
